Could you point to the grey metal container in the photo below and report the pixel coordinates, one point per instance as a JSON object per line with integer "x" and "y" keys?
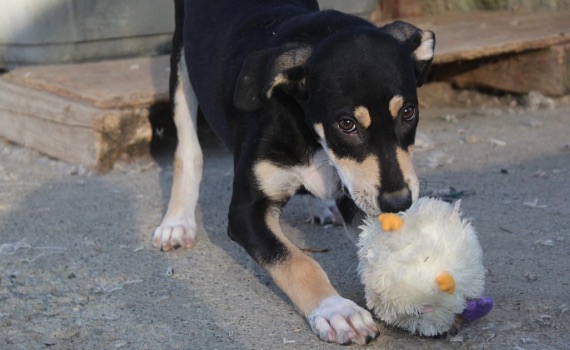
{"x": 61, "y": 31}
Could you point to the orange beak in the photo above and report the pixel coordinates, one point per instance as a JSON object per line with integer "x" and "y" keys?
{"x": 445, "y": 282}
{"x": 390, "y": 222}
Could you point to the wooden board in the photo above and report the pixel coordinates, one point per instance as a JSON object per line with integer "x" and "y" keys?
{"x": 462, "y": 37}
{"x": 72, "y": 131}
{"x": 91, "y": 114}
{"x": 547, "y": 71}
{"x": 106, "y": 84}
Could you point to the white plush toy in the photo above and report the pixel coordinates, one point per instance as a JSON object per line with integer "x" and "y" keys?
{"x": 422, "y": 268}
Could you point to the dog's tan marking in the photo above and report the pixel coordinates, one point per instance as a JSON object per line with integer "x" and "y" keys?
{"x": 278, "y": 183}
{"x": 362, "y": 180}
{"x": 395, "y": 105}
{"x": 299, "y": 276}
{"x": 278, "y": 80}
{"x": 319, "y": 129}
{"x": 362, "y": 115}
{"x": 405, "y": 162}
{"x": 367, "y": 170}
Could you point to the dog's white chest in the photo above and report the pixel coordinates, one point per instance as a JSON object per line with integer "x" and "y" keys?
{"x": 320, "y": 177}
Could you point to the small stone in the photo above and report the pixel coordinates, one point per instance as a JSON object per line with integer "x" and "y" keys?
{"x": 120, "y": 344}
{"x": 531, "y": 277}
{"x": 533, "y": 123}
{"x": 473, "y": 139}
{"x": 456, "y": 339}
{"x": 496, "y": 142}
{"x": 169, "y": 271}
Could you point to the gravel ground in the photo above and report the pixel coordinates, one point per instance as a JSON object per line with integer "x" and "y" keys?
{"x": 77, "y": 270}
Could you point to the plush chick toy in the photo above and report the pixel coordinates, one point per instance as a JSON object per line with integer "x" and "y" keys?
{"x": 422, "y": 268}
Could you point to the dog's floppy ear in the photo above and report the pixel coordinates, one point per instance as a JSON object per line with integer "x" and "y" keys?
{"x": 264, "y": 71}
{"x": 420, "y": 43}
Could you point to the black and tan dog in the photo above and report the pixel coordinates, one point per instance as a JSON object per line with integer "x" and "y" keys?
{"x": 307, "y": 101}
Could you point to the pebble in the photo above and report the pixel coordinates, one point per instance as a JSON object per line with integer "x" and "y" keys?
{"x": 169, "y": 271}
{"x": 456, "y": 339}
{"x": 531, "y": 277}
{"x": 120, "y": 344}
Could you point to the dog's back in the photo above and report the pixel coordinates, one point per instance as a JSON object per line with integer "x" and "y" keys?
{"x": 218, "y": 36}
{"x": 213, "y": 32}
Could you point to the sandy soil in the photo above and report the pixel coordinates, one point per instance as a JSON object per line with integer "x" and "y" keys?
{"x": 77, "y": 270}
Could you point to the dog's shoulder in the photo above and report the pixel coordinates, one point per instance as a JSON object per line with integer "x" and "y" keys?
{"x": 315, "y": 26}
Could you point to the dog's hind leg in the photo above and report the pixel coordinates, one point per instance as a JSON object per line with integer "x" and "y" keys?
{"x": 178, "y": 228}
{"x": 322, "y": 211}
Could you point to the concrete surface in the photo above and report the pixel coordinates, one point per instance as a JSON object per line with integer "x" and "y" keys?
{"x": 77, "y": 270}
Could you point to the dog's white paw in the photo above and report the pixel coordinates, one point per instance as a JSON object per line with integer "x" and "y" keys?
{"x": 174, "y": 235}
{"x": 342, "y": 321}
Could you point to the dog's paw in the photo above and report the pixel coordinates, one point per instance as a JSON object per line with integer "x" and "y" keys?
{"x": 342, "y": 321}
{"x": 173, "y": 235}
{"x": 322, "y": 212}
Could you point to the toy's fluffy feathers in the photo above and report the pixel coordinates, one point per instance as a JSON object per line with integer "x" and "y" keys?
{"x": 399, "y": 269}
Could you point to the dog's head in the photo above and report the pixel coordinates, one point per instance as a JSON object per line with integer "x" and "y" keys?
{"x": 358, "y": 93}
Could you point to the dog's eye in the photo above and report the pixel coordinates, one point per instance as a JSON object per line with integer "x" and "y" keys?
{"x": 347, "y": 125}
{"x": 409, "y": 113}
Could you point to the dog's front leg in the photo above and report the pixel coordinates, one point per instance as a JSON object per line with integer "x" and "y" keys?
{"x": 254, "y": 223}
{"x": 178, "y": 227}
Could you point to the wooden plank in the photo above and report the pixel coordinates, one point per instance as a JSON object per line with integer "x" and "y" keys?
{"x": 70, "y": 130}
{"x": 547, "y": 71}
{"x": 388, "y": 9}
{"x": 107, "y": 84}
{"x": 471, "y": 36}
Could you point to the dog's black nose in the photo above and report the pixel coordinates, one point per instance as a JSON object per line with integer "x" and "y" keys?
{"x": 394, "y": 202}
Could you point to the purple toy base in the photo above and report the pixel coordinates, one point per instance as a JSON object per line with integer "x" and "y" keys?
{"x": 477, "y": 308}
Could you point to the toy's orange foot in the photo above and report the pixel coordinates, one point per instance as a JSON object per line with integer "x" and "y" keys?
{"x": 390, "y": 222}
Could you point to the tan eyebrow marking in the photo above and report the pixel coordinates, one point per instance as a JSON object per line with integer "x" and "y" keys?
{"x": 395, "y": 105}
{"x": 278, "y": 80}
{"x": 320, "y": 130}
{"x": 362, "y": 115}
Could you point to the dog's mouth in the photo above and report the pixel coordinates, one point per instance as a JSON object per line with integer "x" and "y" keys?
{"x": 370, "y": 197}
{"x": 368, "y": 208}
{"x": 365, "y": 201}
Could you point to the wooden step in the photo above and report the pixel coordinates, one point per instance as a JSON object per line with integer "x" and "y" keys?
{"x": 92, "y": 113}
{"x": 501, "y": 50}
{"x": 477, "y": 35}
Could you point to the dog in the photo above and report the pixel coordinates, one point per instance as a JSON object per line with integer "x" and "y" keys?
{"x": 308, "y": 101}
